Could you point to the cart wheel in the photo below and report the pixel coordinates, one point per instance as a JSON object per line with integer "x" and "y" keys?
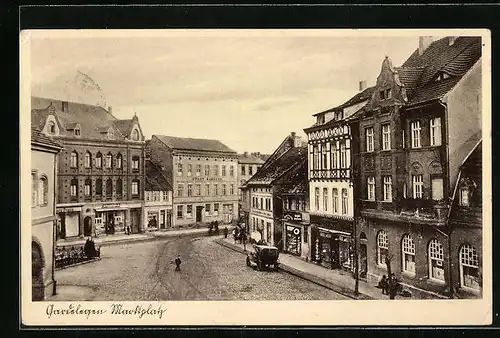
{"x": 248, "y": 261}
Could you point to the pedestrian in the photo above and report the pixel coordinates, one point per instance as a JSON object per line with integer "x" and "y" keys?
{"x": 177, "y": 262}
{"x": 235, "y": 234}
{"x": 393, "y": 286}
{"x": 384, "y": 285}
{"x": 225, "y": 232}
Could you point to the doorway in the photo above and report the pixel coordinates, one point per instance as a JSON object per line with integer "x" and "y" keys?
{"x": 87, "y": 226}
{"x": 199, "y": 211}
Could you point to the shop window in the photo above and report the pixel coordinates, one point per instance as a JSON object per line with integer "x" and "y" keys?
{"x": 382, "y": 247}
{"x": 408, "y": 251}
{"x": 436, "y": 260}
{"x": 306, "y": 234}
{"x": 469, "y": 268}
{"x": 74, "y": 159}
{"x": 43, "y": 190}
{"x": 88, "y": 160}
{"x": 345, "y": 201}
{"x": 98, "y": 160}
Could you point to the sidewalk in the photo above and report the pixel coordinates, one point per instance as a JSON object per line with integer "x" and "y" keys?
{"x": 331, "y": 279}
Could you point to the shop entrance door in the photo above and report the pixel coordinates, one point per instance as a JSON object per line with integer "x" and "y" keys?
{"x": 162, "y": 219}
{"x": 87, "y": 226}
{"x": 169, "y": 218}
{"x": 198, "y": 214}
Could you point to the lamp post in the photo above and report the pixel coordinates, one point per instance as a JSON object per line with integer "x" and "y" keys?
{"x": 355, "y": 235}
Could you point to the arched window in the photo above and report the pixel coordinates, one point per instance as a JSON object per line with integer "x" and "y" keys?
{"x": 98, "y": 187}
{"x": 34, "y": 189}
{"x": 119, "y": 187}
{"x": 74, "y": 159}
{"x": 469, "y": 268}
{"x": 109, "y": 187}
{"x": 43, "y": 190}
{"x": 335, "y": 200}
{"x": 109, "y": 160}
{"x": 325, "y": 199}
{"x": 344, "y": 201}
{"x": 135, "y": 135}
{"x": 98, "y": 160}
{"x": 408, "y": 254}
{"x": 88, "y": 187}
{"x": 74, "y": 188}
{"x": 436, "y": 260}
{"x": 382, "y": 247}
{"x": 88, "y": 160}
{"x": 119, "y": 161}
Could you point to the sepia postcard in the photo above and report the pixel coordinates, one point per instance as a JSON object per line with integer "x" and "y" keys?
{"x": 255, "y": 177}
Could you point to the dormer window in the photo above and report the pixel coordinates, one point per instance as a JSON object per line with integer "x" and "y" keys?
{"x": 339, "y": 115}
{"x": 320, "y": 119}
{"x": 135, "y": 135}
{"x": 385, "y": 94}
{"x": 442, "y": 76}
{"x": 51, "y": 128}
{"x": 76, "y": 131}
{"x": 111, "y": 134}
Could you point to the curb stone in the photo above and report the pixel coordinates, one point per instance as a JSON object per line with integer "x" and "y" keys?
{"x": 304, "y": 275}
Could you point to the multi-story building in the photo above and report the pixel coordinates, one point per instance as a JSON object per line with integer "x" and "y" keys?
{"x": 265, "y": 216}
{"x": 204, "y": 176}
{"x": 466, "y": 225}
{"x": 422, "y": 120}
{"x": 248, "y": 164}
{"x": 43, "y": 213}
{"x": 158, "y": 199}
{"x": 331, "y": 185}
{"x": 101, "y": 169}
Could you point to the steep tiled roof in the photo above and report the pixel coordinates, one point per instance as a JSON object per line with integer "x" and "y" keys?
{"x": 249, "y": 159}
{"x": 125, "y": 126}
{"x": 155, "y": 179}
{"x": 182, "y": 143}
{"x": 359, "y": 97}
{"x": 295, "y": 182}
{"x": 40, "y": 138}
{"x": 277, "y": 168}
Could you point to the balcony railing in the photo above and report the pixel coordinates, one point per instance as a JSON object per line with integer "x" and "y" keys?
{"x": 331, "y": 173}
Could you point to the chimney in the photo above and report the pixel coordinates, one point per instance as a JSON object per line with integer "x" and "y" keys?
{"x": 423, "y": 43}
{"x": 110, "y": 109}
{"x": 362, "y": 85}
{"x": 451, "y": 40}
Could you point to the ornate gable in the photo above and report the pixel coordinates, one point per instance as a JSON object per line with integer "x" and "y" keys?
{"x": 389, "y": 90}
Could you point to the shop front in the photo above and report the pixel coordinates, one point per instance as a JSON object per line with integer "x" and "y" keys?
{"x": 109, "y": 220}
{"x": 293, "y": 239}
{"x": 333, "y": 249}
{"x": 227, "y": 213}
{"x": 68, "y": 222}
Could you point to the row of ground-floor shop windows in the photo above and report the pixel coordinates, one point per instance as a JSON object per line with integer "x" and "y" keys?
{"x": 160, "y": 219}
{"x": 468, "y": 260}
{"x": 186, "y": 211}
{"x": 259, "y": 226}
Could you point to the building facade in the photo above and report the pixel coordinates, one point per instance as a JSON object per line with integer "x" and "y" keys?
{"x": 158, "y": 200}
{"x": 331, "y": 182}
{"x": 248, "y": 165}
{"x": 44, "y": 153}
{"x": 101, "y": 169}
{"x": 204, "y": 176}
{"x": 421, "y": 121}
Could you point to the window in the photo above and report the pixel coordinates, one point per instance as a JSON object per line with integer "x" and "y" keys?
{"x": 189, "y": 169}
{"x": 207, "y": 189}
{"x": 369, "y": 139}
{"x": 386, "y": 137}
{"x": 324, "y": 158}
{"x": 335, "y": 199}
{"x": 180, "y": 190}
{"x": 442, "y": 76}
{"x": 285, "y": 204}
{"x": 371, "y": 188}
{"x": 179, "y": 212}
{"x": 207, "y": 170}
{"x": 98, "y": 187}
{"x": 119, "y": 161}
{"x": 109, "y": 160}
{"x": 198, "y": 169}
{"x": 189, "y": 211}
{"x": 437, "y": 188}
{"x": 316, "y": 198}
{"x": 179, "y": 169}
{"x": 224, "y": 191}
{"x": 388, "y": 188}
{"x": 231, "y": 189}
{"x": 190, "y": 190}
{"x": 269, "y": 232}
{"x": 135, "y": 163}
{"x": 223, "y": 170}
{"x": 88, "y": 187}
{"x": 111, "y": 134}
{"x": 51, "y": 128}
{"x": 216, "y": 189}
{"x": 320, "y": 119}
{"x": 88, "y": 160}
{"x": 231, "y": 171}
{"x": 415, "y": 134}
{"x": 197, "y": 189}
{"x": 344, "y": 202}
{"x": 216, "y": 209}
{"x": 119, "y": 187}
{"x": 316, "y": 157}
{"x": 418, "y": 186}
{"x": 76, "y": 131}
{"x": 135, "y": 135}
{"x": 74, "y": 188}
{"x": 382, "y": 247}
{"x": 435, "y": 130}
{"x": 98, "y": 160}
{"x": 469, "y": 268}
{"x": 43, "y": 190}
{"x": 74, "y": 159}
{"x": 135, "y": 188}
{"x": 216, "y": 170}
{"x": 405, "y": 188}
{"x": 165, "y": 196}
{"x": 109, "y": 187}
{"x": 408, "y": 250}
{"x": 403, "y": 138}
{"x": 464, "y": 196}
{"x": 325, "y": 199}
{"x": 243, "y": 170}
{"x": 333, "y": 155}
{"x": 343, "y": 156}
{"x": 250, "y": 170}
{"x": 385, "y": 94}
{"x": 207, "y": 209}
{"x": 436, "y": 260}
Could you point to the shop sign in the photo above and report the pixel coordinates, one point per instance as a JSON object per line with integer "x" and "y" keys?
{"x": 69, "y": 210}
{"x": 293, "y": 216}
{"x": 114, "y": 205}
{"x": 207, "y": 179}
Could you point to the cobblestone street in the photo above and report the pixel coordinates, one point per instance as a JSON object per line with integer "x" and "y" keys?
{"x": 143, "y": 272}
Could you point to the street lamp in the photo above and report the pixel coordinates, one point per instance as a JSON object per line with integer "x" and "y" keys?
{"x": 354, "y": 232}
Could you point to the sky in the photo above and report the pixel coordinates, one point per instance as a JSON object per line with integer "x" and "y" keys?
{"x": 248, "y": 90}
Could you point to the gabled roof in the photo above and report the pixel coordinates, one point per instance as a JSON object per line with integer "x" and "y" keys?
{"x": 155, "y": 179}
{"x": 296, "y": 182}
{"x": 125, "y": 126}
{"x": 37, "y": 137}
{"x": 359, "y": 97}
{"x": 279, "y": 166}
{"x": 182, "y": 143}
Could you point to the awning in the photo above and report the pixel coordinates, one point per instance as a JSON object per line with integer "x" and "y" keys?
{"x": 334, "y": 231}
{"x": 111, "y": 209}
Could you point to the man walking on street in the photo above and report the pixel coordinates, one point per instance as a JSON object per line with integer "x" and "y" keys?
{"x": 177, "y": 262}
